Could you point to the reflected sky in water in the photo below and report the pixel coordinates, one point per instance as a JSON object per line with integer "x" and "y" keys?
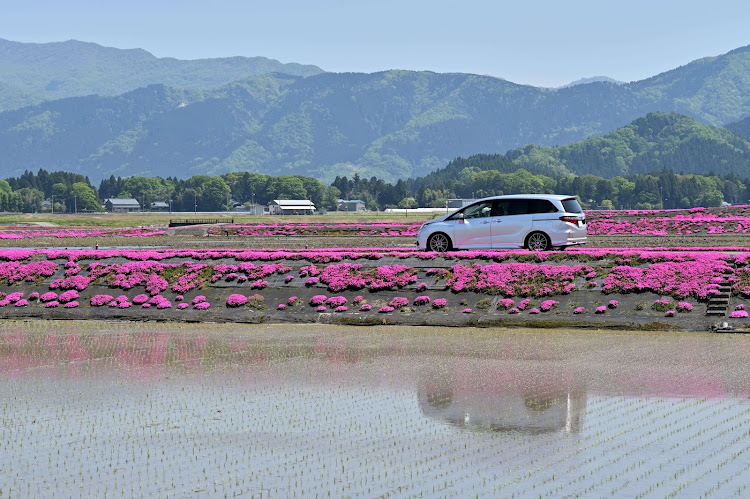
{"x": 157, "y": 409}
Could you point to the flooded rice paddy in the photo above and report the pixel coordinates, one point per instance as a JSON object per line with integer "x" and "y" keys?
{"x": 115, "y": 409}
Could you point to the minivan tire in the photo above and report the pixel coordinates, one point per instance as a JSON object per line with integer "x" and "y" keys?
{"x": 439, "y": 242}
{"x": 538, "y": 241}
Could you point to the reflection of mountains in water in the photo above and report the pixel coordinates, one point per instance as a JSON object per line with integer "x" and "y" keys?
{"x": 501, "y": 397}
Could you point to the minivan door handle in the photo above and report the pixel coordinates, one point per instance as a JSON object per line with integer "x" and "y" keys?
{"x": 486, "y": 222}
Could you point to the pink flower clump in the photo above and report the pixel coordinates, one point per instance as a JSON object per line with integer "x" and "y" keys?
{"x": 385, "y": 309}
{"x": 67, "y": 296}
{"x": 202, "y": 305}
{"x": 365, "y": 308}
{"x": 439, "y": 303}
{"x": 399, "y": 302}
{"x": 236, "y": 300}
{"x": 318, "y": 300}
{"x": 422, "y": 300}
{"x": 336, "y": 301}
{"x": 99, "y": 300}
{"x": 738, "y": 314}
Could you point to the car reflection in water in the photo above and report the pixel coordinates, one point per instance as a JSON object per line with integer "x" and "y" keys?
{"x": 505, "y": 397}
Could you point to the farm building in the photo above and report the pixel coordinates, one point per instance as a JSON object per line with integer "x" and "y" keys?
{"x": 350, "y": 205}
{"x": 291, "y": 207}
{"x": 122, "y": 205}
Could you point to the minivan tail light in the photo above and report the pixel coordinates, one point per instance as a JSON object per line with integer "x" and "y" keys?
{"x": 572, "y": 220}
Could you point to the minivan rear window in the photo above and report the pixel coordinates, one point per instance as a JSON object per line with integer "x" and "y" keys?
{"x": 571, "y": 205}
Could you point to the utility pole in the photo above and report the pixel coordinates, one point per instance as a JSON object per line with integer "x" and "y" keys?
{"x": 75, "y": 204}
{"x": 53, "y": 204}
{"x": 195, "y": 203}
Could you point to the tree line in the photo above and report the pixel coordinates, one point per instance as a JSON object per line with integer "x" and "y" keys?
{"x": 474, "y": 177}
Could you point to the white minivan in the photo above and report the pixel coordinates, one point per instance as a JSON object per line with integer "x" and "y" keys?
{"x": 538, "y": 222}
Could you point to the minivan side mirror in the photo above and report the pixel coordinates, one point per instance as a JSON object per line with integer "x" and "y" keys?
{"x": 460, "y": 216}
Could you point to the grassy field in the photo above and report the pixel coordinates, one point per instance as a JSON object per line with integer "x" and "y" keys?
{"x": 161, "y": 219}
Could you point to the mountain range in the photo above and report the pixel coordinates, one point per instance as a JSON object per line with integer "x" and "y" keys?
{"x": 393, "y": 124}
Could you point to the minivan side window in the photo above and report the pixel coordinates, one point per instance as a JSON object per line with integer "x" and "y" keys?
{"x": 517, "y": 207}
{"x": 571, "y": 205}
{"x": 476, "y": 210}
{"x": 541, "y": 206}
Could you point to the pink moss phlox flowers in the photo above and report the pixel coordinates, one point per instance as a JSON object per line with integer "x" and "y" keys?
{"x": 22, "y": 303}
{"x": 125, "y": 304}
{"x": 202, "y": 305}
{"x": 52, "y": 304}
{"x": 14, "y": 297}
{"x": 34, "y": 295}
{"x": 523, "y": 304}
{"x": 468, "y": 311}
{"x": 182, "y": 306}
{"x": 318, "y": 300}
{"x": 601, "y": 309}
{"x": 439, "y": 303}
{"x": 613, "y": 304}
{"x": 292, "y": 300}
{"x": 281, "y": 306}
{"x": 669, "y": 313}
{"x": 236, "y": 300}
{"x": 399, "y": 302}
{"x": 421, "y": 286}
{"x": 67, "y": 296}
{"x": 140, "y": 299}
{"x": 100, "y": 300}
{"x": 341, "y": 308}
{"x": 738, "y": 314}
{"x": 164, "y": 304}
{"x": 506, "y": 303}
{"x": 199, "y": 299}
{"x": 514, "y": 310}
{"x": 336, "y": 301}
{"x": 48, "y": 296}
{"x": 365, "y": 308}
{"x": 684, "y": 306}
{"x": 579, "y": 310}
{"x": 548, "y": 304}
{"x": 534, "y": 310}
{"x": 422, "y": 300}
{"x": 321, "y": 308}
{"x": 385, "y": 309}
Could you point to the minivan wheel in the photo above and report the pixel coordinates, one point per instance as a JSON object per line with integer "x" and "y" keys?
{"x": 439, "y": 242}
{"x": 538, "y": 241}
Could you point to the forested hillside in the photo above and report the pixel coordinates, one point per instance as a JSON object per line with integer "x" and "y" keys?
{"x": 393, "y": 125}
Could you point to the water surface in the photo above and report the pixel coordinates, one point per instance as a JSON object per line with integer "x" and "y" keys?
{"x": 117, "y": 409}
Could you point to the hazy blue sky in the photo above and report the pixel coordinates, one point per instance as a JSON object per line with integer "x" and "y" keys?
{"x": 545, "y": 43}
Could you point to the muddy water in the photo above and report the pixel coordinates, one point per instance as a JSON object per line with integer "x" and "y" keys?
{"x": 112, "y": 409}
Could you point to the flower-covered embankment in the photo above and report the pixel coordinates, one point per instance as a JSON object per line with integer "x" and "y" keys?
{"x": 355, "y": 282}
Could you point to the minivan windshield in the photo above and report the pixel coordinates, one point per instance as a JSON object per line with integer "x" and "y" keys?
{"x": 571, "y": 205}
